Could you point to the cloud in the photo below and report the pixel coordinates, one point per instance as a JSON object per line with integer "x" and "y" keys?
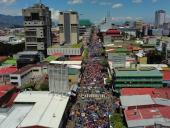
{"x": 137, "y": 1}
{"x": 12, "y": 12}
{"x": 118, "y": 5}
{"x": 7, "y": 1}
{"x": 54, "y": 14}
{"x": 75, "y": 1}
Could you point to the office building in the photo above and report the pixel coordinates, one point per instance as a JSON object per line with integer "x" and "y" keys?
{"x": 37, "y": 26}
{"x": 160, "y": 16}
{"x": 68, "y": 26}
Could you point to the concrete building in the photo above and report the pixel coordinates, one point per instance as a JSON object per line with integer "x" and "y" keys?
{"x": 37, "y": 26}
{"x": 68, "y": 26}
{"x": 28, "y": 74}
{"x": 60, "y": 73}
{"x": 160, "y": 16}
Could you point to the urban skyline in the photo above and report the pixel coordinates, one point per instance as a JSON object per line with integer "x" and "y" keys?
{"x": 120, "y": 10}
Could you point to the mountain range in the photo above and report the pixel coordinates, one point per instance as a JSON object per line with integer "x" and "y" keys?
{"x": 10, "y": 21}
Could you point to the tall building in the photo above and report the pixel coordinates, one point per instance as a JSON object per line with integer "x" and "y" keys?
{"x": 160, "y": 18}
{"x": 68, "y": 26}
{"x": 37, "y": 26}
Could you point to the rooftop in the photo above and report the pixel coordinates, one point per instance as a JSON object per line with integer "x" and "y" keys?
{"x": 7, "y": 70}
{"x": 23, "y": 69}
{"x": 136, "y": 100}
{"x": 4, "y": 89}
{"x": 163, "y": 93}
{"x": 47, "y": 109}
{"x": 66, "y": 62}
{"x": 166, "y": 75}
{"x": 3, "y": 58}
{"x": 10, "y": 61}
{"x": 138, "y": 73}
{"x": 28, "y": 53}
{"x": 147, "y": 116}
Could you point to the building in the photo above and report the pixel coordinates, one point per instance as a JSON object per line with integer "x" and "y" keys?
{"x": 160, "y": 16}
{"x": 138, "y": 25}
{"x": 7, "y": 95}
{"x": 140, "y": 77}
{"x": 168, "y": 52}
{"x": 61, "y": 74}
{"x": 68, "y": 26}
{"x": 146, "y": 107}
{"x": 28, "y": 74}
{"x": 28, "y": 57}
{"x": 68, "y": 51}
{"x": 55, "y": 36}
{"x": 84, "y": 25}
{"x": 117, "y": 59}
{"x": 5, "y": 72}
{"x": 36, "y": 109}
{"x": 37, "y": 26}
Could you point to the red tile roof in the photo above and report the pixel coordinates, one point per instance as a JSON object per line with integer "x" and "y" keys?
{"x": 75, "y": 58}
{"x": 8, "y": 70}
{"x": 147, "y": 113}
{"x": 113, "y": 32}
{"x": 3, "y": 58}
{"x": 5, "y": 88}
{"x": 153, "y": 92}
{"x": 58, "y": 54}
{"x": 166, "y": 75}
{"x": 23, "y": 69}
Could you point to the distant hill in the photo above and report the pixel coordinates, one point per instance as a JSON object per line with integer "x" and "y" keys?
{"x": 14, "y": 21}
{"x": 10, "y": 21}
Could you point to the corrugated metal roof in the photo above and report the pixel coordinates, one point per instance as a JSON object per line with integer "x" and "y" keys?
{"x": 136, "y": 100}
{"x": 47, "y": 111}
{"x": 138, "y": 73}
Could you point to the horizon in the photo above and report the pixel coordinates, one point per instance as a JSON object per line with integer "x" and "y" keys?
{"x": 120, "y": 10}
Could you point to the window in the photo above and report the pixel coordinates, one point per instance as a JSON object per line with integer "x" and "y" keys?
{"x": 30, "y": 33}
{"x": 14, "y": 77}
{"x": 31, "y": 39}
{"x": 35, "y": 16}
{"x": 40, "y": 39}
{"x": 35, "y": 70}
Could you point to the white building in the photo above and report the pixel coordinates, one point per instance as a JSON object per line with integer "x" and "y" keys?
{"x": 160, "y": 18}
{"x": 27, "y": 74}
{"x": 34, "y": 109}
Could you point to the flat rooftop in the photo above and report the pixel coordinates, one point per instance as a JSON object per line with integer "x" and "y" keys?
{"x": 138, "y": 73}
{"x": 136, "y": 100}
{"x": 66, "y": 62}
{"x": 47, "y": 109}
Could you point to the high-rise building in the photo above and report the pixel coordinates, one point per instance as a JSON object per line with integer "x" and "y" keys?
{"x": 68, "y": 26}
{"x": 160, "y": 18}
{"x": 37, "y": 26}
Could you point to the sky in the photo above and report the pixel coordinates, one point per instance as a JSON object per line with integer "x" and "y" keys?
{"x": 95, "y": 10}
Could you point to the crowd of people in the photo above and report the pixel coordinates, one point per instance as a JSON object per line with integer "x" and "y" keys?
{"x": 91, "y": 114}
{"x": 93, "y": 75}
{"x": 95, "y": 102}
